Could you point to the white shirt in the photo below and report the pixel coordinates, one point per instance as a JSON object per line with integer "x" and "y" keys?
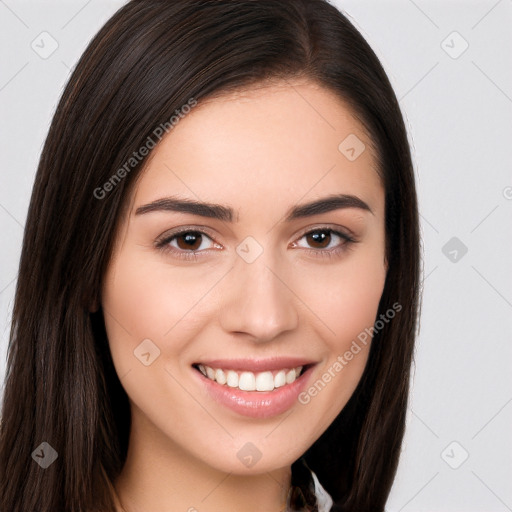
{"x": 322, "y": 496}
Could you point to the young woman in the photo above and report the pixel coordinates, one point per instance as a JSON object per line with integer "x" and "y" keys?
{"x": 218, "y": 291}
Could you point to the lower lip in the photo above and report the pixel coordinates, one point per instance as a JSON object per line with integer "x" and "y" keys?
{"x": 256, "y": 404}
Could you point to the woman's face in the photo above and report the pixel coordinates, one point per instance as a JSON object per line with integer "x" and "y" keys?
{"x": 251, "y": 285}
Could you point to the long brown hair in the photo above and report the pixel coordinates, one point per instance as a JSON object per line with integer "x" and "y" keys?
{"x": 148, "y": 61}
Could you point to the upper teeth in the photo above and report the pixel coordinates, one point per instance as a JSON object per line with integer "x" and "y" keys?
{"x": 249, "y": 381}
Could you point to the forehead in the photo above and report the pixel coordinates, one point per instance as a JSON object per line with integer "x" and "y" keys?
{"x": 271, "y": 144}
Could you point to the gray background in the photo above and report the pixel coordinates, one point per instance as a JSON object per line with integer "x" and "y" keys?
{"x": 457, "y": 454}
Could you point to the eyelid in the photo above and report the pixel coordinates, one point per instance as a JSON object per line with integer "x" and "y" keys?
{"x": 184, "y": 229}
{"x": 329, "y": 227}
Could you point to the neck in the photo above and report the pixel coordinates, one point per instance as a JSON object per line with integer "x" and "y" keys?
{"x": 159, "y": 476}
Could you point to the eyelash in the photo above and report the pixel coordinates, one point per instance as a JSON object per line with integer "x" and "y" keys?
{"x": 163, "y": 243}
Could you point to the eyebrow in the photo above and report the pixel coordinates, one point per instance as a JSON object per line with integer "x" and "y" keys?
{"x": 227, "y": 214}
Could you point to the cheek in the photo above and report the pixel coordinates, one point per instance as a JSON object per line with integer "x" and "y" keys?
{"x": 345, "y": 297}
{"x": 136, "y": 305}
{"x": 346, "y": 300}
{"x": 142, "y": 299}
{"x": 355, "y": 298}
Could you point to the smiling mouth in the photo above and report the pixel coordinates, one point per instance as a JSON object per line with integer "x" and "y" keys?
{"x": 252, "y": 381}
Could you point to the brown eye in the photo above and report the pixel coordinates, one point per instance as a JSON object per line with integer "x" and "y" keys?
{"x": 326, "y": 242}
{"x": 186, "y": 244}
{"x": 190, "y": 240}
{"x": 319, "y": 239}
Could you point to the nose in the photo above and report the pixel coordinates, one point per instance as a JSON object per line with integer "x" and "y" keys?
{"x": 259, "y": 302}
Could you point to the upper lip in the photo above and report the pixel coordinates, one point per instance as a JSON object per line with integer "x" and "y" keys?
{"x": 257, "y": 365}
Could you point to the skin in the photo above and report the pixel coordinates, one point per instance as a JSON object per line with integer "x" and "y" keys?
{"x": 260, "y": 152}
